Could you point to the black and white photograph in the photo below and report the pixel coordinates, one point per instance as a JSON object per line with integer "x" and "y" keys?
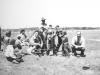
{"x": 49, "y": 37}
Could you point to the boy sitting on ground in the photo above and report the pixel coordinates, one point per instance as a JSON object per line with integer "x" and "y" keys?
{"x": 10, "y": 54}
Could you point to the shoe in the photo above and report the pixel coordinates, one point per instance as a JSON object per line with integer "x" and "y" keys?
{"x": 83, "y": 55}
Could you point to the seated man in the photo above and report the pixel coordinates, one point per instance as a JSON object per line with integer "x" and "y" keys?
{"x": 78, "y": 43}
{"x": 35, "y": 42}
{"x": 10, "y": 53}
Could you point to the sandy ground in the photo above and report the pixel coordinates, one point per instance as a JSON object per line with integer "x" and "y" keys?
{"x": 58, "y": 65}
{"x": 53, "y": 65}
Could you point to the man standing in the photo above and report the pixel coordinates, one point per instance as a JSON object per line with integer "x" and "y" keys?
{"x": 78, "y": 44}
{"x": 43, "y": 35}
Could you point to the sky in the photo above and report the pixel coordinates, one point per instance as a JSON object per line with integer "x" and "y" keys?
{"x": 65, "y": 13}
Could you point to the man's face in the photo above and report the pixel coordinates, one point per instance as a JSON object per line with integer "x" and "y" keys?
{"x": 78, "y": 36}
{"x": 23, "y": 32}
{"x": 57, "y": 27}
{"x": 50, "y": 26}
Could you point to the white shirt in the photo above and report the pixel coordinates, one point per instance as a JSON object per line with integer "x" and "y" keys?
{"x": 80, "y": 43}
{"x": 32, "y": 40}
{"x": 9, "y": 52}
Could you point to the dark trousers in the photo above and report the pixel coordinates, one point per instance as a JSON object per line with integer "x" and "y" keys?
{"x": 44, "y": 48}
{"x": 78, "y": 49}
{"x": 10, "y": 59}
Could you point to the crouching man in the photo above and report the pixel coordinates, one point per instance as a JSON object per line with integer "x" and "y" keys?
{"x": 10, "y": 53}
{"x": 78, "y": 44}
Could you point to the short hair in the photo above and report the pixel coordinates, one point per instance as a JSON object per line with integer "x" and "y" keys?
{"x": 18, "y": 37}
{"x": 65, "y": 33}
{"x": 22, "y": 31}
{"x": 43, "y": 28}
{"x": 50, "y": 25}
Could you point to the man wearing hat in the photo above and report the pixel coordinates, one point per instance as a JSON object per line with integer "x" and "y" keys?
{"x": 78, "y": 44}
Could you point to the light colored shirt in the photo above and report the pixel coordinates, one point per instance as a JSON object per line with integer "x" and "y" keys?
{"x": 18, "y": 42}
{"x": 9, "y": 52}
{"x": 56, "y": 40}
{"x": 75, "y": 42}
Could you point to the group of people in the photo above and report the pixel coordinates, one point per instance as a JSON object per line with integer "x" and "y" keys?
{"x": 42, "y": 42}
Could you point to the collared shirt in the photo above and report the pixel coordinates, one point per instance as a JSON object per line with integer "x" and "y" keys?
{"x": 9, "y": 52}
{"x": 78, "y": 43}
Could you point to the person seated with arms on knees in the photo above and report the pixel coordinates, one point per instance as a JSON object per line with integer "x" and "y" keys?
{"x": 23, "y": 37}
{"x": 10, "y": 53}
{"x": 66, "y": 49}
{"x": 35, "y": 42}
{"x": 78, "y": 44}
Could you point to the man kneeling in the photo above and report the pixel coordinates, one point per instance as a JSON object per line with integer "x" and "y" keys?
{"x": 78, "y": 44}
